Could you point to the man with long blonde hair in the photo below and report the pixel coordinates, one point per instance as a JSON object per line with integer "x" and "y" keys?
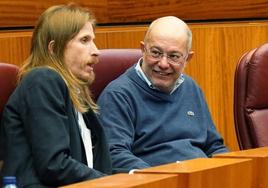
{"x": 51, "y": 134}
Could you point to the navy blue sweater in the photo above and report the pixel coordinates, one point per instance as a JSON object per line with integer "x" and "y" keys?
{"x": 146, "y": 127}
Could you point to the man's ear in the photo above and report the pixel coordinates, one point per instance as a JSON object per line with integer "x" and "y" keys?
{"x": 190, "y": 55}
{"x": 51, "y": 46}
{"x": 142, "y": 46}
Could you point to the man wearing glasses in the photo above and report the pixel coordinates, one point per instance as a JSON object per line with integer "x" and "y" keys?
{"x": 154, "y": 114}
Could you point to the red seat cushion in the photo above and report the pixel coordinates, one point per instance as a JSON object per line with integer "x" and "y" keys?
{"x": 113, "y": 62}
{"x": 8, "y": 80}
{"x": 251, "y": 99}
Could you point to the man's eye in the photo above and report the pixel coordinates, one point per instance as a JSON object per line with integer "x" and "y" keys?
{"x": 156, "y": 53}
{"x": 84, "y": 39}
{"x": 174, "y": 56}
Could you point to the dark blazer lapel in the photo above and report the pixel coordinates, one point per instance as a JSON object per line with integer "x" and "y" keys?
{"x": 101, "y": 155}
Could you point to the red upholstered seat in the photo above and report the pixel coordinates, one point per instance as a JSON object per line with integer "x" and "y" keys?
{"x": 251, "y": 98}
{"x": 113, "y": 62}
{"x": 8, "y": 80}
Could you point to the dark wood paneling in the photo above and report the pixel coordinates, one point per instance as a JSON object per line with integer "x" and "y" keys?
{"x": 147, "y": 10}
{"x": 14, "y": 46}
{"x": 19, "y": 13}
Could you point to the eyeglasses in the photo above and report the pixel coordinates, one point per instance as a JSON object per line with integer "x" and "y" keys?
{"x": 171, "y": 57}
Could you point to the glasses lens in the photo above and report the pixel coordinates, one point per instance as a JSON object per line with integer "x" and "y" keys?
{"x": 175, "y": 58}
{"x": 157, "y": 55}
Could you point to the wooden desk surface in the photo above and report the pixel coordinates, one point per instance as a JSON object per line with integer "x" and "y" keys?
{"x": 194, "y": 165}
{"x": 259, "y": 157}
{"x": 130, "y": 181}
{"x": 209, "y": 172}
{"x": 261, "y": 152}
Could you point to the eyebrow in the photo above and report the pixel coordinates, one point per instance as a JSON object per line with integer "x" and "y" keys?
{"x": 171, "y": 52}
{"x": 92, "y": 37}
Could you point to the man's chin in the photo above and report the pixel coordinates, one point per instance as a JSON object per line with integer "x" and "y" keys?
{"x": 88, "y": 79}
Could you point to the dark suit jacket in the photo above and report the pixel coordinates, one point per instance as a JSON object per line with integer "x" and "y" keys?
{"x": 42, "y": 142}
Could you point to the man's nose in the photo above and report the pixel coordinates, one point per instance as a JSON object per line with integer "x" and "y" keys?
{"x": 94, "y": 50}
{"x": 163, "y": 62}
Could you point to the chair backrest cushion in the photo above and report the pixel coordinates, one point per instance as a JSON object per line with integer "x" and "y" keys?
{"x": 251, "y": 99}
{"x": 113, "y": 62}
{"x": 8, "y": 80}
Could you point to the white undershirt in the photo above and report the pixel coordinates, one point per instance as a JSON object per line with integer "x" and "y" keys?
{"x": 86, "y": 137}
